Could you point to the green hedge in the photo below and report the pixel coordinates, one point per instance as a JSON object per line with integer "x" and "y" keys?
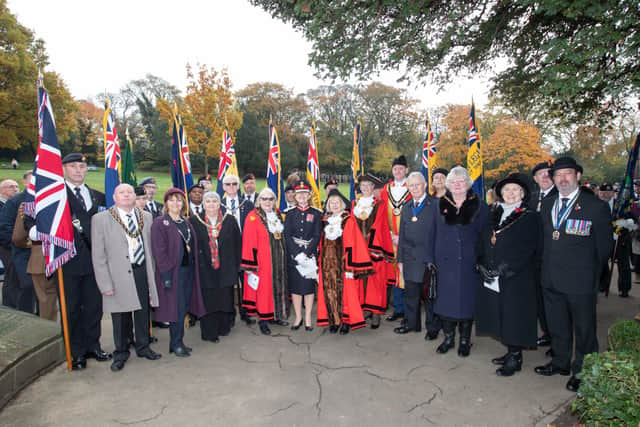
{"x": 610, "y": 390}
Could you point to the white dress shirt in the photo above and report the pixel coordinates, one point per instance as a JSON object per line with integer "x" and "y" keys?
{"x": 84, "y": 191}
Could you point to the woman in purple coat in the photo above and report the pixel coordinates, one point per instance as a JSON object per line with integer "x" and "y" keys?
{"x": 459, "y": 217}
{"x": 174, "y": 245}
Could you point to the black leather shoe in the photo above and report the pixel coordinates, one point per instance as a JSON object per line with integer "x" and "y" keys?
{"x": 431, "y": 335}
{"x": 295, "y": 327}
{"x": 150, "y": 355}
{"x": 512, "y": 364}
{"x": 264, "y": 328}
{"x": 153, "y": 339}
{"x": 573, "y": 384}
{"x": 464, "y": 348}
{"x": 215, "y": 340}
{"x": 375, "y": 321}
{"x": 161, "y": 325}
{"x": 181, "y": 352}
{"x": 548, "y": 370}
{"x": 543, "y": 341}
{"x": 448, "y": 343}
{"x": 403, "y": 330}
{"x": 500, "y": 360}
{"x": 624, "y": 294}
{"x": 99, "y": 354}
{"x": 117, "y": 365}
{"x": 281, "y": 322}
{"x": 344, "y": 329}
{"x": 189, "y": 349}
{"x": 79, "y": 364}
{"x": 333, "y": 329}
{"x": 249, "y": 321}
{"x": 395, "y": 316}
{"x": 308, "y": 328}
{"x": 549, "y": 353}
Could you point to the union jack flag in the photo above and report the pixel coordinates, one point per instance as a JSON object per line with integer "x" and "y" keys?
{"x": 180, "y": 164}
{"x": 313, "y": 169}
{"x": 428, "y": 153}
{"x": 226, "y": 159}
{"x": 53, "y": 217}
{"x": 274, "y": 181}
{"x": 111, "y": 154}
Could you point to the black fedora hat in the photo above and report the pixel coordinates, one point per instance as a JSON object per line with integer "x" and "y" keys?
{"x": 565, "y": 163}
{"x": 514, "y": 178}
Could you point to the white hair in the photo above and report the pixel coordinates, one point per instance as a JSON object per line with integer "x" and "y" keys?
{"x": 230, "y": 177}
{"x": 418, "y": 176}
{"x": 457, "y": 172}
{"x": 266, "y": 191}
{"x": 211, "y": 195}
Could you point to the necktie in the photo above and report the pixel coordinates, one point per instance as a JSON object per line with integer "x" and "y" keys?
{"x": 416, "y": 203}
{"x": 540, "y": 201}
{"x": 198, "y": 210}
{"x": 138, "y": 252}
{"x": 233, "y": 205}
{"x": 563, "y": 207}
{"x": 80, "y": 198}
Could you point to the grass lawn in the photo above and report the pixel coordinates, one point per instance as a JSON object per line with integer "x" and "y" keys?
{"x": 95, "y": 179}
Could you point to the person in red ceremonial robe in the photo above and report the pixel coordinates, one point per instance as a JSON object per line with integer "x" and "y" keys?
{"x": 266, "y": 294}
{"x": 344, "y": 257}
{"x": 394, "y": 195}
{"x": 374, "y": 225}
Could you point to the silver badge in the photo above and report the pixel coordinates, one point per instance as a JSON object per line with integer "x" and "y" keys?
{"x": 165, "y": 222}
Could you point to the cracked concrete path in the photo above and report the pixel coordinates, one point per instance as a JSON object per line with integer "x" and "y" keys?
{"x": 298, "y": 378}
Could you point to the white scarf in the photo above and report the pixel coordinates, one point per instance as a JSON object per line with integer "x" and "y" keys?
{"x": 507, "y": 209}
{"x": 273, "y": 223}
{"x": 364, "y": 205}
{"x": 333, "y": 229}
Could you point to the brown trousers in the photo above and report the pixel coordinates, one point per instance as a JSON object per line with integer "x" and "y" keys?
{"x": 46, "y": 292}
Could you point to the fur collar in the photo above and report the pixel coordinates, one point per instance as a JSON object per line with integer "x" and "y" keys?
{"x": 465, "y": 214}
{"x": 496, "y": 213}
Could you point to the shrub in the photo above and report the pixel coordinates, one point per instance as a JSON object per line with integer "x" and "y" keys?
{"x": 610, "y": 390}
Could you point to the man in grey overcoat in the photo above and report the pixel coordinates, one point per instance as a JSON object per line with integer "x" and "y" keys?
{"x": 122, "y": 261}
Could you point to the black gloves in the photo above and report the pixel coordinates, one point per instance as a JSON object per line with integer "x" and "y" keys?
{"x": 487, "y": 274}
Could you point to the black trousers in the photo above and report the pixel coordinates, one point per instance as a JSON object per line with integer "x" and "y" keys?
{"x": 185, "y": 287}
{"x": 412, "y": 291}
{"x": 432, "y": 321}
{"x": 570, "y": 314}
{"x": 623, "y": 256}
{"x": 124, "y": 327}
{"x": 542, "y": 315}
{"x": 84, "y": 312}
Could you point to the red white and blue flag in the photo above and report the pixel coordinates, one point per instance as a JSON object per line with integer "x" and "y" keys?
{"x": 111, "y": 155}
{"x": 180, "y": 164}
{"x": 53, "y": 217}
{"x": 274, "y": 180}
{"x": 313, "y": 169}
{"x": 226, "y": 159}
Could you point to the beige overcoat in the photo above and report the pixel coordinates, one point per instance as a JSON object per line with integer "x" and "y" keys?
{"x": 112, "y": 266}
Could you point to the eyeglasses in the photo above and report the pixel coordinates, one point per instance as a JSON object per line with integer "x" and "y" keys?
{"x": 231, "y": 183}
{"x": 268, "y": 199}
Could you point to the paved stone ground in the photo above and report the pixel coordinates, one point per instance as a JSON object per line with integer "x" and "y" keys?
{"x": 298, "y": 378}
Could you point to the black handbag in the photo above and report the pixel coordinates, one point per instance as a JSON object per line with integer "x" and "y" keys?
{"x": 430, "y": 283}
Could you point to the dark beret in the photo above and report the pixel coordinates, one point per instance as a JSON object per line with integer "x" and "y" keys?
{"x": 194, "y": 186}
{"x": 140, "y": 191}
{"x": 540, "y": 166}
{"x": 443, "y": 171}
{"x": 248, "y": 176}
{"x": 148, "y": 180}
{"x": 73, "y": 157}
{"x": 332, "y": 181}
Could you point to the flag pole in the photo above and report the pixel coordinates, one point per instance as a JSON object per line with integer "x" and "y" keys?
{"x": 65, "y": 323}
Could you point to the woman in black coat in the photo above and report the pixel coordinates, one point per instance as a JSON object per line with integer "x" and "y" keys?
{"x": 509, "y": 249}
{"x": 219, "y": 250}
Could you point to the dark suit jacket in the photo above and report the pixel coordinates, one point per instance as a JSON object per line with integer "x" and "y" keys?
{"x": 19, "y": 256}
{"x": 413, "y": 239}
{"x": 533, "y": 198}
{"x": 81, "y": 263}
{"x": 158, "y": 211}
{"x": 245, "y": 207}
{"x": 572, "y": 264}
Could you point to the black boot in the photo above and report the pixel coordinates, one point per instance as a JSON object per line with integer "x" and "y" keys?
{"x": 465, "y": 338}
{"x": 512, "y": 364}
{"x": 500, "y": 360}
{"x": 449, "y": 342}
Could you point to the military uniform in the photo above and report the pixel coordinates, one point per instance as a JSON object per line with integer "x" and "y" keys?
{"x": 302, "y": 230}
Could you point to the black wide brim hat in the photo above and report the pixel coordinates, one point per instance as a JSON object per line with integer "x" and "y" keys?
{"x": 514, "y": 178}
{"x": 565, "y": 163}
{"x": 334, "y": 192}
{"x": 371, "y": 178}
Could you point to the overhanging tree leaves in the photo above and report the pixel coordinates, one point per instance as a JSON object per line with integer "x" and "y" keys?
{"x": 574, "y": 58}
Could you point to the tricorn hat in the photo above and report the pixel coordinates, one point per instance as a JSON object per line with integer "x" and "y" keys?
{"x": 336, "y": 193}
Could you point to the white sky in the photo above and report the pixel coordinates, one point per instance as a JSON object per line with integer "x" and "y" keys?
{"x": 98, "y": 46}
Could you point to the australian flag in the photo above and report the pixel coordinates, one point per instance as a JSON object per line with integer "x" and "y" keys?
{"x": 111, "y": 155}
{"x": 53, "y": 217}
{"x": 180, "y": 164}
{"x": 274, "y": 181}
